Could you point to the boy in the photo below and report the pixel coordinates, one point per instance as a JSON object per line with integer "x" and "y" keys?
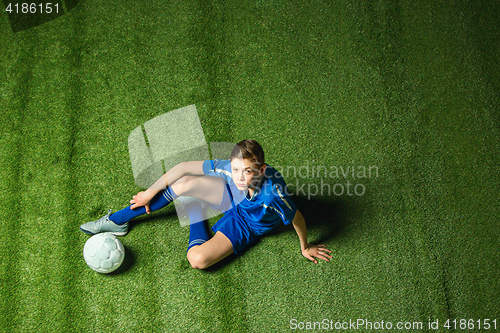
{"x": 250, "y": 193}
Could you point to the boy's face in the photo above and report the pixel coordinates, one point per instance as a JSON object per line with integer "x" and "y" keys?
{"x": 245, "y": 173}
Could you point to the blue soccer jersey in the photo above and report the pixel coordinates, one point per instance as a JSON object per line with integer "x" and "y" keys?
{"x": 269, "y": 205}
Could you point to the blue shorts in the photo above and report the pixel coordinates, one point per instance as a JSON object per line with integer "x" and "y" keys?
{"x": 236, "y": 230}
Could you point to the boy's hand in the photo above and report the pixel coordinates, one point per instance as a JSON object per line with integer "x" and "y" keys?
{"x": 141, "y": 199}
{"x": 316, "y": 251}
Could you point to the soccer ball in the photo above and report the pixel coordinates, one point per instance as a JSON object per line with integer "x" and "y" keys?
{"x": 103, "y": 252}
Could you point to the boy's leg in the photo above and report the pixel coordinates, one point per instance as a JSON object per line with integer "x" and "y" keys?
{"x": 117, "y": 223}
{"x": 212, "y": 251}
{"x": 204, "y": 251}
{"x": 207, "y": 188}
{"x": 201, "y": 187}
{"x": 162, "y": 199}
{"x": 198, "y": 233}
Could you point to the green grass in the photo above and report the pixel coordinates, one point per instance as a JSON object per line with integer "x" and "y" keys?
{"x": 411, "y": 88}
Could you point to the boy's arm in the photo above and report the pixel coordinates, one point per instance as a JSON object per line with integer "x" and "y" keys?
{"x": 143, "y": 198}
{"x": 310, "y": 251}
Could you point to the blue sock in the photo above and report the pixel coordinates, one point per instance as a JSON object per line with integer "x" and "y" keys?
{"x": 198, "y": 233}
{"x": 162, "y": 199}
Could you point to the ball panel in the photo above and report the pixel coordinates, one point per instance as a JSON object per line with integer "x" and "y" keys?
{"x": 116, "y": 256}
{"x": 94, "y": 263}
{"x": 92, "y": 245}
{"x": 89, "y": 251}
{"x": 120, "y": 247}
{"x": 110, "y": 244}
{"x": 102, "y": 253}
{"x": 107, "y": 264}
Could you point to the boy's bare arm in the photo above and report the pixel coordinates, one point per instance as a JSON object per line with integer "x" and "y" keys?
{"x": 144, "y": 197}
{"x": 310, "y": 251}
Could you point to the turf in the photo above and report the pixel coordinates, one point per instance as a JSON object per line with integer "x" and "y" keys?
{"x": 407, "y": 88}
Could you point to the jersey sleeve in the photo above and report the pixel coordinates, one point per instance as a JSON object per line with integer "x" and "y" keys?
{"x": 282, "y": 204}
{"x": 218, "y": 168}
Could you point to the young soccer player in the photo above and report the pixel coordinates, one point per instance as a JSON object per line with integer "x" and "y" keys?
{"x": 251, "y": 194}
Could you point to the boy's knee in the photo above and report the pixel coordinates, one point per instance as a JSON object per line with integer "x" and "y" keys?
{"x": 197, "y": 259}
{"x": 183, "y": 185}
{"x": 179, "y": 188}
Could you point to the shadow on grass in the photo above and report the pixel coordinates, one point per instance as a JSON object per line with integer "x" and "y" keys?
{"x": 327, "y": 215}
{"x": 153, "y": 218}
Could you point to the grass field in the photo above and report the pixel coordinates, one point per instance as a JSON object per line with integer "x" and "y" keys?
{"x": 408, "y": 88}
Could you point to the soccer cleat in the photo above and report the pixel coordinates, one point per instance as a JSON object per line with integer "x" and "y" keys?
{"x": 104, "y": 224}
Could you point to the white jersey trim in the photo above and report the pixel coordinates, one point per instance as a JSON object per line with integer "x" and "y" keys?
{"x": 227, "y": 173}
{"x": 277, "y": 211}
{"x": 282, "y": 197}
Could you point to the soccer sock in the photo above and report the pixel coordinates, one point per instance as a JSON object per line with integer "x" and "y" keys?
{"x": 160, "y": 200}
{"x": 198, "y": 233}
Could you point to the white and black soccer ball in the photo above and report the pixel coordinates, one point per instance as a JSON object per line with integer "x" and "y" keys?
{"x": 104, "y": 252}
